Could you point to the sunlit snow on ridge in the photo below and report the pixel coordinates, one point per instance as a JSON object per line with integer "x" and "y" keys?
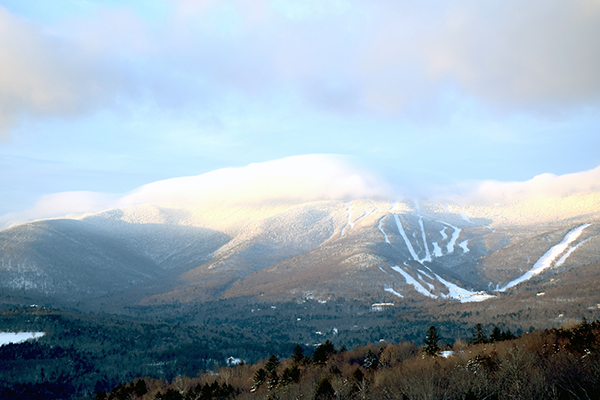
{"x": 315, "y": 177}
{"x": 300, "y": 178}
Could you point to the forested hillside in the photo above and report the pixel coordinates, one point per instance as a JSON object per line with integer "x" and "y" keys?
{"x": 549, "y": 364}
{"x": 86, "y": 356}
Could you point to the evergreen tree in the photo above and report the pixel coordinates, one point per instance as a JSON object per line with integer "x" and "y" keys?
{"x": 172, "y": 394}
{"x": 298, "y": 355}
{"x": 323, "y": 352}
{"x": 479, "y": 335}
{"x": 508, "y": 335}
{"x": 259, "y": 378}
{"x": 358, "y": 376}
{"x": 496, "y": 335}
{"x": 271, "y": 370}
{"x": 272, "y": 364}
{"x": 324, "y": 390}
{"x": 291, "y": 374}
{"x": 371, "y": 360}
{"x": 431, "y": 339}
{"x": 140, "y": 388}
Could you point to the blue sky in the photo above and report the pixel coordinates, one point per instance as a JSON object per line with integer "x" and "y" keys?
{"x": 107, "y": 96}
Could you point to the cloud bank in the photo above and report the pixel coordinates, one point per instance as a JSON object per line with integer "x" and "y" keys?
{"x": 301, "y": 179}
{"x": 294, "y": 179}
{"x": 298, "y": 179}
{"x": 544, "y": 185}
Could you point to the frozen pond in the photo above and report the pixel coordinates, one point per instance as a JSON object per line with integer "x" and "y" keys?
{"x": 11, "y": 337}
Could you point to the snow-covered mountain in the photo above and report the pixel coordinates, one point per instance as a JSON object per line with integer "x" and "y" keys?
{"x": 339, "y": 235}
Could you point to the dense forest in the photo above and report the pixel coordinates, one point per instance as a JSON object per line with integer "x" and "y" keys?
{"x": 81, "y": 354}
{"x": 86, "y": 356}
{"x": 549, "y": 364}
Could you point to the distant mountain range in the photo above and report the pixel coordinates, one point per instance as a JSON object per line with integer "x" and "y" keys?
{"x": 293, "y": 249}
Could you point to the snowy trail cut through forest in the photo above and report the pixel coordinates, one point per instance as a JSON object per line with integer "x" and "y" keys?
{"x": 427, "y": 254}
{"x": 348, "y": 223}
{"x": 411, "y": 250}
{"x": 387, "y": 239}
{"x": 412, "y": 281}
{"x": 548, "y": 258}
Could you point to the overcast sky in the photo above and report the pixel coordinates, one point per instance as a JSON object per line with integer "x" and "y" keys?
{"x": 106, "y": 96}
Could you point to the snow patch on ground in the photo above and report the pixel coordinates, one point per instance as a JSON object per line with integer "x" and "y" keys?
{"x": 548, "y": 258}
{"x": 461, "y": 294}
{"x": 437, "y": 251}
{"x": 392, "y": 291}
{"x": 463, "y": 245}
{"x": 18, "y": 337}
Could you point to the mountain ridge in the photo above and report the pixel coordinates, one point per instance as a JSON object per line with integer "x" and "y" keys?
{"x": 326, "y": 230}
{"x": 359, "y": 249}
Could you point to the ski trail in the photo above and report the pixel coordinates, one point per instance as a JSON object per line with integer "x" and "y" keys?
{"x": 465, "y": 217}
{"x": 427, "y": 254}
{"x": 461, "y": 294}
{"x": 348, "y": 223}
{"x": 437, "y": 250}
{"x": 562, "y": 260}
{"x": 426, "y": 274}
{"x": 392, "y": 291}
{"x": 389, "y": 289}
{"x": 443, "y": 233}
{"x": 413, "y": 254}
{"x": 374, "y": 206}
{"x": 387, "y": 240}
{"x": 548, "y": 258}
{"x": 453, "y": 239}
{"x": 412, "y": 281}
{"x": 367, "y": 212}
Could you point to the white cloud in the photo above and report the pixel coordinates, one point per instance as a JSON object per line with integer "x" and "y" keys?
{"x": 390, "y": 56}
{"x": 79, "y": 67}
{"x": 59, "y": 205}
{"x": 347, "y": 57}
{"x": 299, "y": 178}
{"x": 544, "y": 185}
